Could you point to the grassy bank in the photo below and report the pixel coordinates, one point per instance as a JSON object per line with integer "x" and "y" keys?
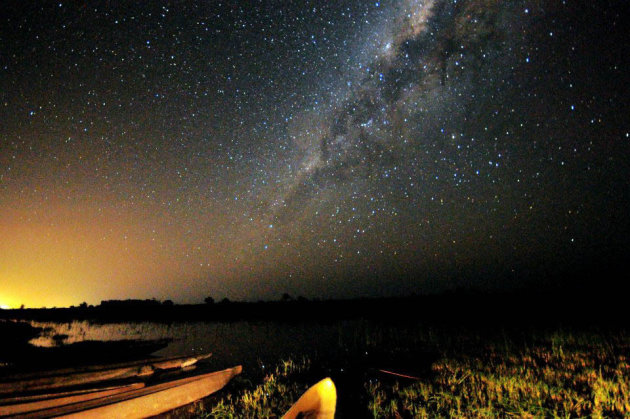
{"x": 558, "y": 378}
{"x": 551, "y": 374}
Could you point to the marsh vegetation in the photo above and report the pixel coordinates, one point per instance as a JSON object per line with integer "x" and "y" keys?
{"x": 559, "y": 373}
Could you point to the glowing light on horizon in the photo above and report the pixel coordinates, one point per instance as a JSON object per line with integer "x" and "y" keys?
{"x": 7, "y": 303}
{"x": 7, "y": 300}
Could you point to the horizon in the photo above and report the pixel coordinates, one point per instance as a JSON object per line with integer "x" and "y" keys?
{"x": 583, "y": 290}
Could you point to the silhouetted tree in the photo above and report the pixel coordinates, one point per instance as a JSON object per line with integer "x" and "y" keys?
{"x": 286, "y": 297}
{"x": 225, "y": 301}
{"x": 83, "y": 305}
{"x": 168, "y": 303}
{"x": 209, "y": 300}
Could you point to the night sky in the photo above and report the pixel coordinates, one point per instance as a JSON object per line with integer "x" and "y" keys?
{"x": 321, "y": 148}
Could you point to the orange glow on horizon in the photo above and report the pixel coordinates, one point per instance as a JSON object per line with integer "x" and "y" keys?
{"x": 7, "y": 302}
{"x": 66, "y": 255}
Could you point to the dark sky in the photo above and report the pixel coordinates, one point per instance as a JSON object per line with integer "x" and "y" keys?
{"x": 326, "y": 149}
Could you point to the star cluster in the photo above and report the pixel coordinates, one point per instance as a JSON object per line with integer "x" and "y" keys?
{"x": 327, "y": 149}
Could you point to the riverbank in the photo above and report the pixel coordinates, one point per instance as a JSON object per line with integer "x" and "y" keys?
{"x": 534, "y": 374}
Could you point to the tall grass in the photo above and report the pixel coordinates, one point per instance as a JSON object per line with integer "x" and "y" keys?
{"x": 564, "y": 376}
{"x": 271, "y": 398}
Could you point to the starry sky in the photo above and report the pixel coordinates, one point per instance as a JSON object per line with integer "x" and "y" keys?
{"x": 327, "y": 149}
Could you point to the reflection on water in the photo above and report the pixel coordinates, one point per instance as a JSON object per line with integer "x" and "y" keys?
{"x": 231, "y": 343}
{"x": 78, "y": 331}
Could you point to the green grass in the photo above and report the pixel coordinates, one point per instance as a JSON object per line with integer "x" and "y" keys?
{"x": 562, "y": 375}
{"x": 271, "y": 398}
{"x": 559, "y": 374}
{"x": 533, "y": 383}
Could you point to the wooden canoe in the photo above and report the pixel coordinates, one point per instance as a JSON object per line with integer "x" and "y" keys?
{"x": 147, "y": 401}
{"x": 48, "y": 401}
{"x": 82, "y": 353}
{"x": 319, "y": 402}
{"x": 51, "y": 380}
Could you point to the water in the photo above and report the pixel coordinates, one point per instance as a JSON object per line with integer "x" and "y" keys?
{"x": 244, "y": 342}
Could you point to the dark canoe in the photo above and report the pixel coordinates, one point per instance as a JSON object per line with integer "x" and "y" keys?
{"x": 83, "y": 376}
{"x": 143, "y": 402}
{"x": 90, "y": 351}
{"x": 80, "y": 353}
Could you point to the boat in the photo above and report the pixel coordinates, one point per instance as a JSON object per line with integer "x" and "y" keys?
{"x": 81, "y": 376}
{"x": 319, "y": 402}
{"x": 84, "y": 352}
{"x": 23, "y": 405}
{"x": 131, "y": 401}
{"x": 24, "y": 357}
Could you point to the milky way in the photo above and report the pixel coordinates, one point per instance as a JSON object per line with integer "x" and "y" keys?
{"x": 327, "y": 149}
{"x": 407, "y": 83}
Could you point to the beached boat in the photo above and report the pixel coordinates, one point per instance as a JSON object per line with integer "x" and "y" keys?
{"x": 24, "y": 405}
{"x": 88, "y": 352}
{"x": 24, "y": 356}
{"x": 130, "y": 401}
{"x": 319, "y": 402}
{"x": 82, "y": 376}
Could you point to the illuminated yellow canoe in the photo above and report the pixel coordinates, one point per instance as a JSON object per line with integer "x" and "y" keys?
{"x": 318, "y": 402}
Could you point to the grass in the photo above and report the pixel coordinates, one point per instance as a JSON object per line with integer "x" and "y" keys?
{"x": 539, "y": 381}
{"x": 557, "y": 374}
{"x": 271, "y": 398}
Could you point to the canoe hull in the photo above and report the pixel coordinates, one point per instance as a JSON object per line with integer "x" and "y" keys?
{"x": 319, "y": 402}
{"x": 53, "y": 401}
{"x": 148, "y": 401}
{"x": 92, "y": 375}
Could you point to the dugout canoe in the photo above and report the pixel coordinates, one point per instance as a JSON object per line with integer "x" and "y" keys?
{"x": 56, "y": 379}
{"x": 144, "y": 402}
{"x": 21, "y": 406}
{"x": 319, "y": 402}
{"x": 81, "y": 353}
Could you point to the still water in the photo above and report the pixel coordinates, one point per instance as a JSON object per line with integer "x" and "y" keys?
{"x": 243, "y": 342}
